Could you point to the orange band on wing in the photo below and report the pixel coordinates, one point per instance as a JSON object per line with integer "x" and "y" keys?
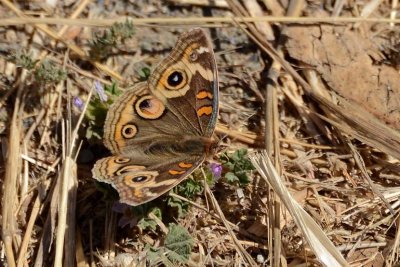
{"x": 206, "y": 110}
{"x": 204, "y": 94}
{"x": 185, "y": 165}
{"x": 174, "y": 172}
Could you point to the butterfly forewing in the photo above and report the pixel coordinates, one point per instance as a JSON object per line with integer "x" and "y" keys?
{"x": 187, "y": 82}
{"x": 137, "y": 118}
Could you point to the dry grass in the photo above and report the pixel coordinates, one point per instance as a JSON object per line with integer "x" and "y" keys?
{"x": 327, "y": 187}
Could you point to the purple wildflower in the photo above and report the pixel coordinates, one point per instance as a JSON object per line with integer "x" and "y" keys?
{"x": 100, "y": 91}
{"x": 216, "y": 169}
{"x": 78, "y": 103}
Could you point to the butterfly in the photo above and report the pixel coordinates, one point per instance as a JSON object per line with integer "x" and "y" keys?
{"x": 161, "y": 130}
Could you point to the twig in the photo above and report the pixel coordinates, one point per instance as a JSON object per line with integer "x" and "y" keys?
{"x": 10, "y": 180}
{"x": 69, "y": 169}
{"x": 189, "y": 21}
{"x": 242, "y": 252}
{"x": 55, "y": 36}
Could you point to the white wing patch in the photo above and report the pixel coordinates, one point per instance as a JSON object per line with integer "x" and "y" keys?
{"x": 203, "y": 49}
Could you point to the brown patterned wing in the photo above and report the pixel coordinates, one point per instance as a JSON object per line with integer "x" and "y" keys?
{"x": 158, "y": 130}
{"x": 187, "y": 82}
{"x": 137, "y": 119}
{"x": 138, "y": 184}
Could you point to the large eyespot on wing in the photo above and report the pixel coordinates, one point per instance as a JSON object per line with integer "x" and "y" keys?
{"x": 149, "y": 107}
{"x": 174, "y": 79}
{"x": 134, "y": 187}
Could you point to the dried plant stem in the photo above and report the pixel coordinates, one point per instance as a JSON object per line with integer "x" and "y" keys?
{"x": 67, "y": 189}
{"x": 28, "y": 232}
{"x": 213, "y": 214}
{"x": 323, "y": 248}
{"x": 80, "y": 253}
{"x": 61, "y": 32}
{"x": 292, "y": 141}
{"x": 242, "y": 252}
{"x": 243, "y": 137}
{"x": 68, "y": 182}
{"x": 206, "y": 3}
{"x": 10, "y": 200}
{"x": 361, "y": 165}
{"x": 201, "y": 21}
{"x": 271, "y": 137}
{"x": 71, "y": 46}
{"x": 159, "y": 223}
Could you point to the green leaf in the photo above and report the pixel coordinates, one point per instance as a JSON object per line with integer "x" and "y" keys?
{"x": 156, "y": 256}
{"x": 243, "y": 178}
{"x": 188, "y": 189}
{"x": 113, "y": 89}
{"x": 181, "y": 206}
{"x": 153, "y": 254}
{"x": 210, "y": 179}
{"x": 179, "y": 244}
{"x": 231, "y": 177}
{"x": 238, "y": 165}
{"x": 229, "y": 165}
{"x": 22, "y": 59}
{"x": 123, "y": 30}
{"x": 144, "y": 74}
{"x": 147, "y": 223}
{"x": 96, "y": 112}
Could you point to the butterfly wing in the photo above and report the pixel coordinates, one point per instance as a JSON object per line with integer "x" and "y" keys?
{"x": 138, "y": 184}
{"x": 187, "y": 82}
{"x": 180, "y": 99}
{"x": 138, "y": 119}
{"x": 159, "y": 130}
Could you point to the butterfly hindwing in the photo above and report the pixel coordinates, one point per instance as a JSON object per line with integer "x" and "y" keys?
{"x": 137, "y": 184}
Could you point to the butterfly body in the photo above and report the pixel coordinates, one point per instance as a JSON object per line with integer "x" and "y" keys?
{"x": 161, "y": 130}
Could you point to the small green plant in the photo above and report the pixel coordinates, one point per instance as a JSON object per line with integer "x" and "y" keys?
{"x": 113, "y": 90}
{"x": 97, "y": 109}
{"x": 22, "y": 59}
{"x": 188, "y": 189}
{"x": 102, "y": 44}
{"x": 238, "y": 165}
{"x": 47, "y": 72}
{"x": 144, "y": 74}
{"x": 178, "y": 245}
{"x": 148, "y": 223}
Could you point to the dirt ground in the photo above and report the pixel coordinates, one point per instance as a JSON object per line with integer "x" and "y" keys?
{"x": 306, "y": 169}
